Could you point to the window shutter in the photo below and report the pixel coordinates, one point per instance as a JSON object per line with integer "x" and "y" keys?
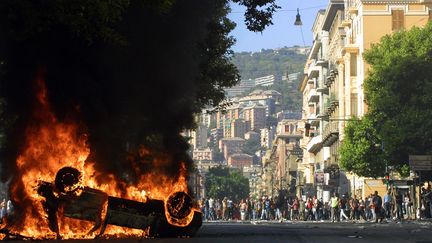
{"x": 397, "y": 19}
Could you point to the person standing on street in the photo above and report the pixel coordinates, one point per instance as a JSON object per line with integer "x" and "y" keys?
{"x": 398, "y": 205}
{"x": 408, "y": 205}
{"x": 377, "y": 203}
{"x": 387, "y": 204}
{"x": 211, "y": 209}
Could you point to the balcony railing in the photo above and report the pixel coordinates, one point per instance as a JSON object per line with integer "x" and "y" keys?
{"x": 315, "y": 144}
{"x": 330, "y": 133}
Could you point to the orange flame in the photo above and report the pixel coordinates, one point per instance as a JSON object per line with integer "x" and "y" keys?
{"x": 51, "y": 145}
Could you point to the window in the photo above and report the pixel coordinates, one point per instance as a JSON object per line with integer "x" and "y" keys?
{"x": 353, "y": 65}
{"x": 397, "y": 19}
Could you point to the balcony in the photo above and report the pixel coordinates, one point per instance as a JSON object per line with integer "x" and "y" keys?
{"x": 315, "y": 144}
{"x": 346, "y": 23}
{"x": 322, "y": 88}
{"x": 351, "y": 48}
{"x": 330, "y": 133}
{"x": 313, "y": 70}
{"x": 312, "y": 118}
{"x": 313, "y": 96}
{"x": 322, "y": 63}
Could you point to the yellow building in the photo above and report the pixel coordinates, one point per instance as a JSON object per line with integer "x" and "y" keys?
{"x": 335, "y": 71}
{"x": 365, "y": 23}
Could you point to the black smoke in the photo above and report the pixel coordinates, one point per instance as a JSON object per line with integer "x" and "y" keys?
{"x": 128, "y": 93}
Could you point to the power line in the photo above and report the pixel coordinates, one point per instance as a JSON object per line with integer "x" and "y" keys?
{"x": 289, "y": 10}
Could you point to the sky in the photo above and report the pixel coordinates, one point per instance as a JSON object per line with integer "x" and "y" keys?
{"x": 283, "y": 32}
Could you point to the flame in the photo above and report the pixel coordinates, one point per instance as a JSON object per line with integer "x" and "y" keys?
{"x": 52, "y": 144}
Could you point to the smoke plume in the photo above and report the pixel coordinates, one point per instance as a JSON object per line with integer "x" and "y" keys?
{"x": 128, "y": 97}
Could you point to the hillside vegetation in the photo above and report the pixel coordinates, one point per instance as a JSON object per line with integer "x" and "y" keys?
{"x": 278, "y": 62}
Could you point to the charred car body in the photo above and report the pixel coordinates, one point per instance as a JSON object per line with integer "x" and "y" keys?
{"x": 173, "y": 217}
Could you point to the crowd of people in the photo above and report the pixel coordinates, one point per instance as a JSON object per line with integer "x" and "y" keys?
{"x": 392, "y": 206}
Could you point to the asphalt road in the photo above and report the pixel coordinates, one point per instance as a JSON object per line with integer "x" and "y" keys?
{"x": 320, "y": 232}
{"x": 316, "y": 232}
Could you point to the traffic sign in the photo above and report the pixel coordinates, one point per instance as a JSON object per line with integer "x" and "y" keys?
{"x": 420, "y": 162}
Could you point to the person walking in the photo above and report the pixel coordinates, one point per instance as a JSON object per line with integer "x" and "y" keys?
{"x": 334, "y": 204}
{"x": 342, "y": 207}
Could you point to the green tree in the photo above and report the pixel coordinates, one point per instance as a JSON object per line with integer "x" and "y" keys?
{"x": 225, "y": 182}
{"x": 360, "y": 150}
{"x": 398, "y": 93}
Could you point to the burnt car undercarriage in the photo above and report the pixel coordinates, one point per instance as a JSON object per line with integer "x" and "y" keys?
{"x": 174, "y": 217}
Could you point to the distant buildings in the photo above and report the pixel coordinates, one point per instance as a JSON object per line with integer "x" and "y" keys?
{"x": 229, "y": 146}
{"x": 265, "y": 81}
{"x": 268, "y": 99}
{"x": 199, "y": 137}
{"x": 202, "y": 155}
{"x": 256, "y": 115}
{"x": 251, "y": 135}
{"x": 240, "y": 160}
{"x": 238, "y": 128}
{"x": 241, "y": 88}
{"x": 267, "y": 136}
{"x": 247, "y": 120}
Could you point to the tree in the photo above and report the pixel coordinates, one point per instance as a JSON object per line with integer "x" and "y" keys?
{"x": 398, "y": 93}
{"x": 223, "y": 182}
{"x": 360, "y": 150}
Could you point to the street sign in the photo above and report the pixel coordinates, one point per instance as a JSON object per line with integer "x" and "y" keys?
{"x": 420, "y": 162}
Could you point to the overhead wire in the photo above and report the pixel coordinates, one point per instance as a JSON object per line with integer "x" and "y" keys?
{"x": 288, "y": 10}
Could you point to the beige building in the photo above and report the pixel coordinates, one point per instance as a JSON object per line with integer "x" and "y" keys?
{"x": 238, "y": 128}
{"x": 280, "y": 162}
{"x": 256, "y": 115}
{"x": 205, "y": 154}
{"x": 240, "y": 160}
{"x": 229, "y": 146}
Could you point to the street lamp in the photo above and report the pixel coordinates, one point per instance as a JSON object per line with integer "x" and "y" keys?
{"x": 298, "y": 20}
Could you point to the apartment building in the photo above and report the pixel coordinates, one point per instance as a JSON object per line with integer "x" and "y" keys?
{"x": 335, "y": 72}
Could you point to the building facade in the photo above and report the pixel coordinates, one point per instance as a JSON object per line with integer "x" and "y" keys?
{"x": 240, "y": 160}
{"x": 334, "y": 75}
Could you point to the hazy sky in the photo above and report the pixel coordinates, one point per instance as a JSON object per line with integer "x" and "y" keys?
{"x": 283, "y": 32}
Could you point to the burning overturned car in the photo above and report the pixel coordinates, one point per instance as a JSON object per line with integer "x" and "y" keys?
{"x": 176, "y": 216}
